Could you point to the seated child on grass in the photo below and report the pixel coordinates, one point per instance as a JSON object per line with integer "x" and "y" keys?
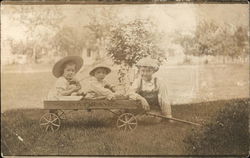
{"x": 98, "y": 87}
{"x": 66, "y": 84}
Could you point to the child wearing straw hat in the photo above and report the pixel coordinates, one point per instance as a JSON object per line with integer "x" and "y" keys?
{"x": 150, "y": 90}
{"x": 98, "y": 87}
{"x": 66, "y": 84}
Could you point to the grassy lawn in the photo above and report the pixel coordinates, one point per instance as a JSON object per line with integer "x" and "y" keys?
{"x": 94, "y": 133}
{"x": 26, "y": 67}
{"x": 24, "y": 90}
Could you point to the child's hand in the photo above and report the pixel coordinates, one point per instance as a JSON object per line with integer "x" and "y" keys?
{"x": 145, "y": 104}
{"x": 78, "y": 87}
{"x": 74, "y": 88}
{"x": 81, "y": 92}
{"x": 117, "y": 94}
{"x": 74, "y": 81}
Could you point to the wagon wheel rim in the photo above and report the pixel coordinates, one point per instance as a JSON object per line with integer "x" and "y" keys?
{"x": 50, "y": 122}
{"x": 126, "y": 122}
{"x": 61, "y": 114}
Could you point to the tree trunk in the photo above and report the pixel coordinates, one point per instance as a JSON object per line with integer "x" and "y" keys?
{"x": 33, "y": 58}
{"x": 224, "y": 59}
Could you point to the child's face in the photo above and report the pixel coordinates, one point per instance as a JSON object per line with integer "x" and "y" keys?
{"x": 146, "y": 73}
{"x": 69, "y": 71}
{"x": 100, "y": 74}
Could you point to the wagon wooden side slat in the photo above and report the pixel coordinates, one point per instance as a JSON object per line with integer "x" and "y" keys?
{"x": 89, "y": 104}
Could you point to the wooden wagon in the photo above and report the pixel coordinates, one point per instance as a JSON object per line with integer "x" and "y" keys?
{"x": 125, "y": 110}
{"x": 126, "y": 117}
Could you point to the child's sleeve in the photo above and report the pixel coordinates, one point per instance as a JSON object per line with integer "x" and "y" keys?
{"x": 132, "y": 93}
{"x": 100, "y": 90}
{"x": 60, "y": 86}
{"x": 109, "y": 86}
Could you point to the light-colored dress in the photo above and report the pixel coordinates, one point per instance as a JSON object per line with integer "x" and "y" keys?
{"x": 96, "y": 89}
{"x": 61, "y": 85}
{"x": 154, "y": 90}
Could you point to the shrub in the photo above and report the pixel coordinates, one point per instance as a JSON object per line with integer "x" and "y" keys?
{"x": 227, "y": 134}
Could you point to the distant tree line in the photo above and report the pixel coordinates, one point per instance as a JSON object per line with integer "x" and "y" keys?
{"x": 210, "y": 39}
{"x": 125, "y": 42}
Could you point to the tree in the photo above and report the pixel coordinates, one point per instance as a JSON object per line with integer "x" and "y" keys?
{"x": 129, "y": 42}
{"x": 241, "y": 41}
{"x": 99, "y": 26}
{"x": 39, "y": 23}
{"x": 68, "y": 42}
{"x": 210, "y": 39}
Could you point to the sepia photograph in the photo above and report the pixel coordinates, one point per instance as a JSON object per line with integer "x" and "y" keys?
{"x": 123, "y": 79}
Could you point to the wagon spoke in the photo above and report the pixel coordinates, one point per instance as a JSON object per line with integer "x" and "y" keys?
{"x": 61, "y": 114}
{"x": 50, "y": 122}
{"x": 43, "y": 124}
{"x": 126, "y": 118}
{"x": 130, "y": 127}
{"x": 127, "y": 122}
{"x": 131, "y": 119}
{"x": 125, "y": 127}
{"x": 50, "y": 117}
{"x": 47, "y": 128}
{"x": 122, "y": 125}
{"x": 52, "y": 129}
{"x": 54, "y": 120}
{"x": 122, "y": 120}
{"x": 132, "y": 123}
{"x": 46, "y": 119}
{"x": 55, "y": 124}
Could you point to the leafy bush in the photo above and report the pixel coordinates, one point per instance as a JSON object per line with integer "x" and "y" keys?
{"x": 227, "y": 134}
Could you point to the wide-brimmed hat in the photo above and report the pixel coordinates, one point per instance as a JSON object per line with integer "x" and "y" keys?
{"x": 148, "y": 62}
{"x": 92, "y": 71}
{"x": 59, "y": 66}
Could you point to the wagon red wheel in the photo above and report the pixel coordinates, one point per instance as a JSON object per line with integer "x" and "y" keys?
{"x": 50, "y": 122}
{"x": 126, "y": 122}
{"x": 61, "y": 114}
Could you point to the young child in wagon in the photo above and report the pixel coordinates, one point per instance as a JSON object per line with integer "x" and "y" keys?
{"x": 98, "y": 86}
{"x": 66, "y": 84}
{"x": 150, "y": 90}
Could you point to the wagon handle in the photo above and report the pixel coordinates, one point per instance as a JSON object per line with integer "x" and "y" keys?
{"x": 175, "y": 119}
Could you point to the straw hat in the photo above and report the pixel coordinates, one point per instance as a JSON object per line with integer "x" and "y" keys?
{"x": 148, "y": 62}
{"x": 59, "y": 66}
{"x": 91, "y": 73}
